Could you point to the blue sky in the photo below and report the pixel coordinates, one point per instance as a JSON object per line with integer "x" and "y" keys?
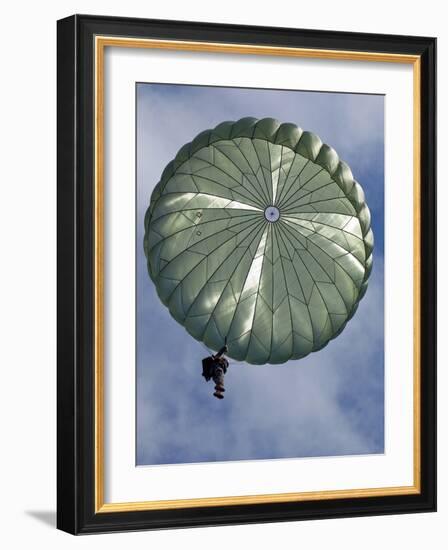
{"x": 330, "y": 403}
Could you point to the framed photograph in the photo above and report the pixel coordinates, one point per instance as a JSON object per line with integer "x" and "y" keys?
{"x": 246, "y": 274}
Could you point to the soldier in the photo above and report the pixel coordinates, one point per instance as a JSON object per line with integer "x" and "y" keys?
{"x": 215, "y": 367}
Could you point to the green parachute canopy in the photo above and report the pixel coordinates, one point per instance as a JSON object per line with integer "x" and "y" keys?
{"x": 258, "y": 235}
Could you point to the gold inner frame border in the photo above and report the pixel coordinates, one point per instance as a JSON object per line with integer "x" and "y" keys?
{"x": 100, "y": 43}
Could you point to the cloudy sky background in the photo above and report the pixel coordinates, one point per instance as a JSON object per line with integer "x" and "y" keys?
{"x": 329, "y": 404}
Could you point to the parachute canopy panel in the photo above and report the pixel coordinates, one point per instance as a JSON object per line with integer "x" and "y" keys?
{"x": 258, "y": 235}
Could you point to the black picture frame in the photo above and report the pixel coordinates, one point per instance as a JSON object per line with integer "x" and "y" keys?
{"x": 76, "y": 512}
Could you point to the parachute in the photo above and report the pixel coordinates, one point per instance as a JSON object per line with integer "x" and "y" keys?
{"x": 258, "y": 236}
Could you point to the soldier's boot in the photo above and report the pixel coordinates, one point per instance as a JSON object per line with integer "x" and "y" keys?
{"x": 218, "y": 394}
